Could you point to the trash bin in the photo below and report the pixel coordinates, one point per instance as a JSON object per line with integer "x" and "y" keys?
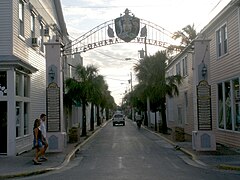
{"x": 179, "y": 134}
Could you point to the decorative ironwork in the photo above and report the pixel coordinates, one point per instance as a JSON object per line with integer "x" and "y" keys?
{"x": 127, "y": 26}
{"x": 104, "y": 34}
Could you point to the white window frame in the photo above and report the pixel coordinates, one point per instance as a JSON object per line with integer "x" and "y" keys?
{"x": 222, "y": 41}
{"x": 185, "y": 107}
{"x": 23, "y": 101}
{"x": 234, "y": 128}
{"x": 178, "y": 68}
{"x": 33, "y": 24}
{"x": 41, "y": 31}
{"x": 21, "y": 17}
{"x": 179, "y": 115}
{"x": 185, "y": 66}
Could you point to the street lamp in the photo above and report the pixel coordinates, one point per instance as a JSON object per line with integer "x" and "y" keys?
{"x": 130, "y": 59}
{"x": 204, "y": 70}
{"x": 141, "y": 53}
{"x": 51, "y": 74}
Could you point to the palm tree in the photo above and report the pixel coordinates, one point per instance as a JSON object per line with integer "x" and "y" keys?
{"x": 99, "y": 97}
{"x": 186, "y": 35}
{"x": 151, "y": 74}
{"x": 95, "y": 97}
{"x": 80, "y": 89}
{"x": 104, "y": 99}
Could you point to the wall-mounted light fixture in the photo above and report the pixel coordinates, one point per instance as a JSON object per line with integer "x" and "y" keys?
{"x": 204, "y": 70}
{"x": 51, "y": 74}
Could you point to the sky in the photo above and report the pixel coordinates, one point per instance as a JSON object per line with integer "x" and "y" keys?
{"x": 83, "y": 15}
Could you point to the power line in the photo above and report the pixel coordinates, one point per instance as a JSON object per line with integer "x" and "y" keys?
{"x": 215, "y": 6}
{"x": 108, "y": 55}
{"x": 116, "y": 79}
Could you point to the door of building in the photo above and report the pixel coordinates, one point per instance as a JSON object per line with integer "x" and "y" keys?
{"x": 3, "y": 127}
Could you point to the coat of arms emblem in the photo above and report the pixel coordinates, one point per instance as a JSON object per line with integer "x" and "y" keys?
{"x": 127, "y": 26}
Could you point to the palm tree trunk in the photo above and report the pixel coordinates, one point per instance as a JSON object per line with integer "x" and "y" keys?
{"x": 145, "y": 118}
{"x": 92, "y": 118}
{"x": 84, "y": 128}
{"x": 98, "y": 116}
{"x": 107, "y": 114}
{"x": 101, "y": 119}
{"x": 148, "y": 112}
{"x": 155, "y": 121}
{"x": 164, "y": 119}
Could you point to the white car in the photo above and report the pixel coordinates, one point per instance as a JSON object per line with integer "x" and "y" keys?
{"x": 118, "y": 119}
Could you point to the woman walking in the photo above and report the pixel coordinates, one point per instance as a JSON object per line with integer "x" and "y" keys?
{"x": 37, "y": 141}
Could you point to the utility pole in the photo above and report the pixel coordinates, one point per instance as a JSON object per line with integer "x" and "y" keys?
{"x": 148, "y": 100}
{"x": 132, "y": 110}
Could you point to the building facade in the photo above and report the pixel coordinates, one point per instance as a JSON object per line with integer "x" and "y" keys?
{"x": 216, "y": 50}
{"x": 179, "y": 113}
{"x": 25, "y": 27}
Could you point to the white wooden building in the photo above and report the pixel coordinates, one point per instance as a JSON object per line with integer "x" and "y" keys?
{"x": 25, "y": 27}
{"x": 217, "y": 50}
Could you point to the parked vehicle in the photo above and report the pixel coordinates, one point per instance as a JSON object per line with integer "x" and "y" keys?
{"x": 118, "y": 119}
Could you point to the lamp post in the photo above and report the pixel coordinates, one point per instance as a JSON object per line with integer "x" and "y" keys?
{"x": 130, "y": 59}
{"x": 132, "y": 109}
{"x": 142, "y": 55}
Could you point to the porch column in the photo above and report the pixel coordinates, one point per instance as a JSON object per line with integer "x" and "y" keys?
{"x": 11, "y": 117}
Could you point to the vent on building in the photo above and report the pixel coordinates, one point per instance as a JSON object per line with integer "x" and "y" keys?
{"x": 46, "y": 31}
{"x": 35, "y": 42}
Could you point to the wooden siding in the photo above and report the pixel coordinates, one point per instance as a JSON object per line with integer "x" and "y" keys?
{"x": 22, "y": 48}
{"x": 38, "y": 84}
{"x": 5, "y": 27}
{"x": 187, "y": 86}
{"x": 224, "y": 68}
{"x": 228, "y": 138}
{"x": 226, "y": 63}
{"x": 21, "y": 44}
{"x": 189, "y": 126}
{"x": 48, "y": 11}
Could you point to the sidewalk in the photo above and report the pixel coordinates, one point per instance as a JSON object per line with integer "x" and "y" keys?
{"x": 223, "y": 158}
{"x": 19, "y": 166}
{"x": 22, "y": 165}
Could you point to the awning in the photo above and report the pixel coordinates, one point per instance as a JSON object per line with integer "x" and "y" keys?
{"x": 13, "y": 61}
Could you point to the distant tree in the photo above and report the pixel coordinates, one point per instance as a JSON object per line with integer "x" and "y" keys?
{"x": 96, "y": 97}
{"x": 151, "y": 75}
{"x": 80, "y": 89}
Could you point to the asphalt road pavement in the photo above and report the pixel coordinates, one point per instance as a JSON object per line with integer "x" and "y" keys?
{"x": 127, "y": 153}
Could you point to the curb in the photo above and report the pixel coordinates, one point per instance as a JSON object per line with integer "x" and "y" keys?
{"x": 67, "y": 159}
{"x": 193, "y": 156}
{"x": 228, "y": 167}
{"x": 177, "y": 147}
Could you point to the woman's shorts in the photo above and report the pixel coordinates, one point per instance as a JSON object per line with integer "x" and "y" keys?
{"x": 39, "y": 143}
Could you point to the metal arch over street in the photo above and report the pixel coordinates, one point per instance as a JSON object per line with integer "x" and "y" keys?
{"x": 108, "y": 33}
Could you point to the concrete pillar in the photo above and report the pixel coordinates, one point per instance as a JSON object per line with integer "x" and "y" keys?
{"x": 55, "y": 123}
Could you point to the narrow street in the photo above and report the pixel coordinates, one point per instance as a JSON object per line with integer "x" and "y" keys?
{"x": 124, "y": 152}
